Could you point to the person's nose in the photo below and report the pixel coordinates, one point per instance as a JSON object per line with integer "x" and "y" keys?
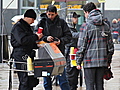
{"x": 50, "y": 16}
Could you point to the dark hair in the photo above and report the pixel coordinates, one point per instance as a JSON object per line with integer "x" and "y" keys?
{"x": 75, "y": 15}
{"x": 51, "y": 8}
{"x": 89, "y": 7}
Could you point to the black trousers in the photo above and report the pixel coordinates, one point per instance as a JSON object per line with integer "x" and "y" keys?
{"x": 26, "y": 82}
{"x": 94, "y": 78}
{"x": 72, "y": 75}
{"x": 71, "y": 72}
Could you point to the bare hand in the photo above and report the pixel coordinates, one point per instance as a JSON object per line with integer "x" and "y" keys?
{"x": 50, "y": 38}
{"x": 78, "y": 67}
{"x": 40, "y": 35}
{"x": 57, "y": 42}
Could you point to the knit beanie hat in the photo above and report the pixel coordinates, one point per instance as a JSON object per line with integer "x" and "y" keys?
{"x": 30, "y": 13}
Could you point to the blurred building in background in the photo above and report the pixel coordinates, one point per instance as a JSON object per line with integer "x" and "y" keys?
{"x": 11, "y": 8}
{"x": 17, "y": 7}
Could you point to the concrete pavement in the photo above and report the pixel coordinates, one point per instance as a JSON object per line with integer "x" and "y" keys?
{"x": 113, "y": 84}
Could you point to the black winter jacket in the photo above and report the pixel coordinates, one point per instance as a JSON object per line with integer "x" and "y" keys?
{"x": 23, "y": 40}
{"x": 75, "y": 33}
{"x": 56, "y": 28}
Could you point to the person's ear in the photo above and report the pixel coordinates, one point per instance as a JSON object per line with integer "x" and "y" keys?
{"x": 56, "y": 13}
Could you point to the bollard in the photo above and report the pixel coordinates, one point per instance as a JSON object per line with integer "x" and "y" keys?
{"x": 4, "y": 42}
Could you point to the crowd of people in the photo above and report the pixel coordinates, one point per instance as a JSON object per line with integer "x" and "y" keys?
{"x": 115, "y": 29}
{"x": 93, "y": 42}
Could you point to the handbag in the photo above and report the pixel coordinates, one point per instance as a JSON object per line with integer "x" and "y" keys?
{"x": 108, "y": 73}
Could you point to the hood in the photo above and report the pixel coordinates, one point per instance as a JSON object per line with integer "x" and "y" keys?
{"x": 69, "y": 20}
{"x": 95, "y": 17}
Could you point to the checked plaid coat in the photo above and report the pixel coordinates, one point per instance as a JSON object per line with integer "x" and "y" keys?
{"x": 95, "y": 42}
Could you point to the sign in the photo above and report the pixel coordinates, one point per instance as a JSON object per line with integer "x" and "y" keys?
{"x": 101, "y": 1}
{"x": 58, "y": 6}
{"x": 68, "y": 0}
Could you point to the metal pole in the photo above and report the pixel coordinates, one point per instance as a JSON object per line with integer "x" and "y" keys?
{"x": 63, "y": 12}
{"x": 103, "y": 8}
{"x": 19, "y": 6}
{"x": 10, "y": 77}
{"x": 0, "y": 16}
{"x": 0, "y": 31}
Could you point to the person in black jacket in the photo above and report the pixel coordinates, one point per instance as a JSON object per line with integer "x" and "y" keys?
{"x": 23, "y": 41}
{"x": 54, "y": 27}
{"x": 115, "y": 30}
{"x": 106, "y": 20}
{"x": 72, "y": 71}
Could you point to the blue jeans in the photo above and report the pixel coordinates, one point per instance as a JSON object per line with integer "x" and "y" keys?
{"x": 63, "y": 82}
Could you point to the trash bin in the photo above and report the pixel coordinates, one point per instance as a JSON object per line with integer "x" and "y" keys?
{"x": 4, "y": 40}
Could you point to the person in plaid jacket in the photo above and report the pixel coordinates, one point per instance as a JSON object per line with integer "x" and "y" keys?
{"x": 95, "y": 47}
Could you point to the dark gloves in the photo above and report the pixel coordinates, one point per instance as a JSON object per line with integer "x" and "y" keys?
{"x": 109, "y": 58}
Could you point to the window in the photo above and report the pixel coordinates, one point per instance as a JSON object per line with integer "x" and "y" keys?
{"x": 28, "y": 3}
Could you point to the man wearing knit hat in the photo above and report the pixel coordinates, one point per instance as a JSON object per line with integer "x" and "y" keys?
{"x": 23, "y": 41}
{"x": 30, "y": 13}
